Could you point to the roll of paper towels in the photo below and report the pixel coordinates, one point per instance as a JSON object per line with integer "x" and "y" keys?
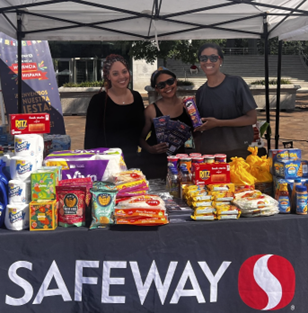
{"x": 17, "y": 217}
{"x": 28, "y": 145}
{"x": 22, "y": 167}
{"x": 19, "y": 192}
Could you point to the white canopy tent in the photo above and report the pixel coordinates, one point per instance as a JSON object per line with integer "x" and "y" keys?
{"x": 111, "y": 20}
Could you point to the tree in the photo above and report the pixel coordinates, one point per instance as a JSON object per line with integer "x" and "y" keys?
{"x": 184, "y": 50}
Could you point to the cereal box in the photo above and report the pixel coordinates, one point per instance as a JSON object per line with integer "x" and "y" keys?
{"x": 43, "y": 215}
{"x": 43, "y": 185}
{"x": 287, "y": 168}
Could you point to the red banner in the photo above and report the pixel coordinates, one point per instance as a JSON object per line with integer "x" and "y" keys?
{"x": 29, "y": 71}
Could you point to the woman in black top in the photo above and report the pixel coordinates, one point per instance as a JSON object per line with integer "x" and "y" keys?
{"x": 154, "y": 154}
{"x": 115, "y": 117}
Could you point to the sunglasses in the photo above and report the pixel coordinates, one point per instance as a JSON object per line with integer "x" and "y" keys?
{"x": 169, "y": 82}
{"x": 213, "y": 58}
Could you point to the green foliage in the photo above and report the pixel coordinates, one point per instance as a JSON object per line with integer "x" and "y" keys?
{"x": 271, "y": 82}
{"x": 184, "y": 50}
{"x": 85, "y": 84}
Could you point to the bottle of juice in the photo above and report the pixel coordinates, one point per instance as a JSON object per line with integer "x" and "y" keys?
{"x": 301, "y": 200}
{"x": 283, "y": 198}
{"x": 297, "y": 182}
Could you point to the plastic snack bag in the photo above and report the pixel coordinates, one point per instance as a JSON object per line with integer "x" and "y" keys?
{"x": 239, "y": 172}
{"x": 103, "y": 202}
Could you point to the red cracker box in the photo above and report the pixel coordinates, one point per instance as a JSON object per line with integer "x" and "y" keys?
{"x": 38, "y": 123}
{"x": 215, "y": 173}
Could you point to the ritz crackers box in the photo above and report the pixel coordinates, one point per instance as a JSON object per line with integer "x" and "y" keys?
{"x": 43, "y": 215}
{"x": 215, "y": 173}
{"x": 36, "y": 123}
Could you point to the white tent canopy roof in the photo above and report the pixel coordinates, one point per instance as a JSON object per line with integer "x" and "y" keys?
{"x": 146, "y": 19}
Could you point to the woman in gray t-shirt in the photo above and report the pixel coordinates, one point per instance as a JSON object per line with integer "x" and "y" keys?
{"x": 226, "y": 106}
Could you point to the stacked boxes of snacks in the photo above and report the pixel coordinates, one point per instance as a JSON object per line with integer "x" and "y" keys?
{"x": 43, "y": 207}
{"x": 288, "y": 168}
{"x": 28, "y": 158}
{"x": 212, "y": 201}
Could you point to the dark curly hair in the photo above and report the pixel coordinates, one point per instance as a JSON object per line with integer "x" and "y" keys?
{"x": 110, "y": 59}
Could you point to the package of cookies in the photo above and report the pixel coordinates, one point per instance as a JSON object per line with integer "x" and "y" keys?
{"x": 103, "y": 202}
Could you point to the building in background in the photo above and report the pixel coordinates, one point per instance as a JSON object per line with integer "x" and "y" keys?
{"x": 81, "y": 61}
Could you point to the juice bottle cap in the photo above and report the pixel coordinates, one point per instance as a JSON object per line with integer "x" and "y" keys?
{"x": 301, "y": 188}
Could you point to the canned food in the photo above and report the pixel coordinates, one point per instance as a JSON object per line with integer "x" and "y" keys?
{"x": 182, "y": 155}
{"x": 209, "y": 158}
{"x": 173, "y": 159}
{"x": 221, "y": 158}
{"x": 195, "y": 155}
{"x": 197, "y": 160}
{"x": 187, "y": 162}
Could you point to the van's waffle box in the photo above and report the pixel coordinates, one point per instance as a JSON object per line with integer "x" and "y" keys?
{"x": 289, "y": 169}
{"x": 43, "y": 185}
{"x": 36, "y": 123}
{"x": 43, "y": 215}
{"x": 204, "y": 174}
{"x": 282, "y": 154}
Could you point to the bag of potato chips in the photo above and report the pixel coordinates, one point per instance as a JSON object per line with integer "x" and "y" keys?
{"x": 103, "y": 202}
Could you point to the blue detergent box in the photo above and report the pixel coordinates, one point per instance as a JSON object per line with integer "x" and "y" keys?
{"x": 288, "y": 169}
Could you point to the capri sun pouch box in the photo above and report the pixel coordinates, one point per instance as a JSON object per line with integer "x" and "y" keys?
{"x": 216, "y": 173}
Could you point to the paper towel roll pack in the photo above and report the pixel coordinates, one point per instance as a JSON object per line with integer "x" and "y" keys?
{"x": 28, "y": 145}
{"x": 17, "y": 217}
{"x": 22, "y": 167}
{"x": 19, "y": 192}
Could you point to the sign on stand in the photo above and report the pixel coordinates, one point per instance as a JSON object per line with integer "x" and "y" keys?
{"x": 39, "y": 87}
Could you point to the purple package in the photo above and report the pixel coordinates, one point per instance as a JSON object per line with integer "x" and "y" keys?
{"x": 193, "y": 112}
{"x": 160, "y": 125}
{"x": 76, "y": 154}
{"x": 177, "y": 135}
{"x": 85, "y": 168}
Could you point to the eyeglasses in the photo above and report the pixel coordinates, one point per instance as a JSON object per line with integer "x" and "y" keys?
{"x": 169, "y": 82}
{"x": 213, "y": 58}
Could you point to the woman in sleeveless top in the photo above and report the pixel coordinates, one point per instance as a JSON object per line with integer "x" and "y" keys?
{"x": 154, "y": 154}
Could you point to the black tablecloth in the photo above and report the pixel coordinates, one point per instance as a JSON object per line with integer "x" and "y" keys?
{"x": 196, "y": 266}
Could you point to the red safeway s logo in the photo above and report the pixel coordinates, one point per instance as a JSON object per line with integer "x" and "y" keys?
{"x": 266, "y": 282}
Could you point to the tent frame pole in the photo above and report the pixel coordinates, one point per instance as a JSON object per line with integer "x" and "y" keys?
{"x": 19, "y": 52}
{"x": 266, "y": 53}
{"x": 280, "y": 45}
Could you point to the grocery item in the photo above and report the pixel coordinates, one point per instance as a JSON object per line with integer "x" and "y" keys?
{"x": 17, "y": 216}
{"x": 43, "y": 185}
{"x": 193, "y": 112}
{"x": 208, "y": 158}
{"x": 301, "y": 200}
{"x": 254, "y": 203}
{"x": 173, "y": 160}
{"x": 103, "y": 202}
{"x": 22, "y": 167}
{"x": 80, "y": 182}
{"x": 142, "y": 221}
{"x": 72, "y": 205}
{"x": 283, "y": 199}
{"x": 297, "y": 182}
{"x": 221, "y": 187}
{"x": 128, "y": 212}
{"x": 220, "y": 158}
{"x": 28, "y": 145}
{"x": 19, "y": 191}
{"x": 43, "y": 215}
{"x": 205, "y": 217}
{"x": 239, "y": 172}
{"x": 204, "y": 174}
{"x": 287, "y": 168}
{"x": 99, "y": 164}
{"x": 195, "y": 155}
{"x": 146, "y": 201}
